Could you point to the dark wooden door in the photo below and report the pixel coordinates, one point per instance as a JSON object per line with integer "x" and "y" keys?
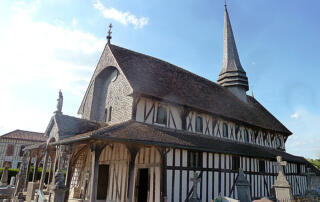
{"x": 143, "y": 185}
{"x": 103, "y": 180}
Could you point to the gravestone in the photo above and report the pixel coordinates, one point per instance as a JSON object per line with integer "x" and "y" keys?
{"x": 281, "y": 188}
{"x": 4, "y": 177}
{"x": 243, "y": 187}
{"x": 12, "y": 181}
{"x": 195, "y": 180}
{"x": 31, "y": 189}
{"x": 313, "y": 184}
{"x": 21, "y": 178}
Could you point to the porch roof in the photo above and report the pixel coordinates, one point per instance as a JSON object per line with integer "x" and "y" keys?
{"x": 141, "y": 133}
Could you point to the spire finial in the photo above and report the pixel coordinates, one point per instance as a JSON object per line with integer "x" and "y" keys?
{"x": 225, "y": 3}
{"x": 109, "y": 33}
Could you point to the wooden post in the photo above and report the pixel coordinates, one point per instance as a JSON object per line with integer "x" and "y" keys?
{"x": 27, "y": 172}
{"x": 68, "y": 177}
{"x": 95, "y": 152}
{"x": 35, "y": 171}
{"x": 50, "y": 170}
{"x": 44, "y": 169}
{"x": 133, "y": 154}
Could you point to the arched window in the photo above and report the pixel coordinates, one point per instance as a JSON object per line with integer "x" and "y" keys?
{"x": 245, "y": 135}
{"x": 162, "y": 115}
{"x": 199, "y": 124}
{"x": 225, "y": 130}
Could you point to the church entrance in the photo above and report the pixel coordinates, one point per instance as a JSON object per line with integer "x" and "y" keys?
{"x": 142, "y": 185}
{"x": 103, "y": 180}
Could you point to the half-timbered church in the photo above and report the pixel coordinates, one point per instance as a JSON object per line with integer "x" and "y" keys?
{"x": 147, "y": 126}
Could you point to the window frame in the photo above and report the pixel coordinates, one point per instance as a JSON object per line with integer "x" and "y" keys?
{"x": 165, "y": 118}
{"x": 195, "y": 160}
{"x": 246, "y": 136}
{"x": 236, "y": 163}
{"x": 262, "y": 166}
{"x": 110, "y": 114}
{"x": 11, "y": 152}
{"x": 225, "y": 130}
{"x": 200, "y": 129}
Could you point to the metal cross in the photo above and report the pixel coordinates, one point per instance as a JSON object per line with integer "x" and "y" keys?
{"x": 109, "y": 33}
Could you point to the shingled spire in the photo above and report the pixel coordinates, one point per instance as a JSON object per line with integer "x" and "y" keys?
{"x": 232, "y": 74}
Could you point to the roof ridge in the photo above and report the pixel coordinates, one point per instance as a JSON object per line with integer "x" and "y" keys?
{"x": 178, "y": 67}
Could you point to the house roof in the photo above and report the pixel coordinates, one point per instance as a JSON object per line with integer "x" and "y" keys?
{"x": 153, "y": 77}
{"x": 69, "y": 125}
{"x": 141, "y": 133}
{"x": 25, "y": 135}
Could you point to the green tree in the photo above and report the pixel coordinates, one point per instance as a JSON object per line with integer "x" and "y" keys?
{"x": 315, "y": 162}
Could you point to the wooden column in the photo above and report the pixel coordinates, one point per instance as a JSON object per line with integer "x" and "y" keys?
{"x": 35, "y": 171}
{"x": 50, "y": 170}
{"x": 44, "y": 169}
{"x": 27, "y": 172}
{"x": 68, "y": 177}
{"x": 95, "y": 152}
{"x": 133, "y": 154}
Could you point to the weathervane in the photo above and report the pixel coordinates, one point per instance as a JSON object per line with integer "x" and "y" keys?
{"x": 109, "y": 33}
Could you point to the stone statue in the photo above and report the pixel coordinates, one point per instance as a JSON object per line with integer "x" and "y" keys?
{"x": 59, "y": 180}
{"x": 59, "y": 103}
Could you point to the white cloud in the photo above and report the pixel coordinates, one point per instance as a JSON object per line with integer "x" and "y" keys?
{"x": 295, "y": 115}
{"x": 122, "y": 17}
{"x": 48, "y": 56}
{"x": 304, "y": 124}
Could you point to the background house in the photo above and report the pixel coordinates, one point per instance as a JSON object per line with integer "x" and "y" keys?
{"x": 13, "y": 143}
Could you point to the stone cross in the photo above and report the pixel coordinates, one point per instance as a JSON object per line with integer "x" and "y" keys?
{"x": 281, "y": 164}
{"x": 195, "y": 180}
{"x": 281, "y": 188}
{"x": 243, "y": 187}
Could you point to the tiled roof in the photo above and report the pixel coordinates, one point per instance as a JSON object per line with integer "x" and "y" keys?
{"x": 153, "y": 77}
{"x": 132, "y": 131}
{"x": 25, "y": 135}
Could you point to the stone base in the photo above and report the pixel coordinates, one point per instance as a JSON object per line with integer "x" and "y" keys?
{"x": 58, "y": 195}
{"x": 282, "y": 193}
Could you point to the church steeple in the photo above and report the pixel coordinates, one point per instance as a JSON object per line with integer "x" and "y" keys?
{"x": 232, "y": 74}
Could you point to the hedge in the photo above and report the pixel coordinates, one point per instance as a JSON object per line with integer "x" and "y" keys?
{"x": 14, "y": 172}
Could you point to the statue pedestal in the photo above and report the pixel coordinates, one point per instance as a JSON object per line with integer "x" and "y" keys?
{"x": 282, "y": 193}
{"x": 58, "y": 194}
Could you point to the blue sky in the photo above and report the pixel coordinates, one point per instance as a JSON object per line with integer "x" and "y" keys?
{"x": 47, "y": 45}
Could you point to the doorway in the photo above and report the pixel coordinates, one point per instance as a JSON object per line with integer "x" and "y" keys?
{"x": 143, "y": 185}
{"x": 103, "y": 180}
